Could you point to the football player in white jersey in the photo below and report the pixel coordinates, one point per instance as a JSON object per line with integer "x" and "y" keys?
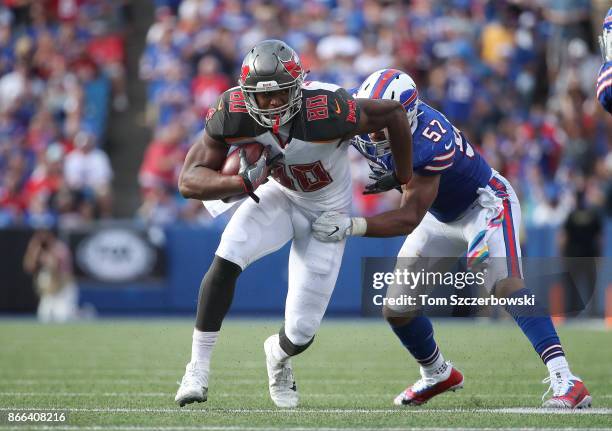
{"x": 454, "y": 205}
{"x": 305, "y": 127}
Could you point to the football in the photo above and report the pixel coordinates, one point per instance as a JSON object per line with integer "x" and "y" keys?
{"x": 231, "y": 166}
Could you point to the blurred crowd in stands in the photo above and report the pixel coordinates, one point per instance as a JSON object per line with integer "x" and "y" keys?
{"x": 61, "y": 70}
{"x": 516, "y": 76}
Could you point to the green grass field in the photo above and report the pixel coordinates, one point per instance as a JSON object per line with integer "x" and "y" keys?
{"x": 122, "y": 376}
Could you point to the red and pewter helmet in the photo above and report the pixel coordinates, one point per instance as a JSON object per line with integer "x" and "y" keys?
{"x": 272, "y": 65}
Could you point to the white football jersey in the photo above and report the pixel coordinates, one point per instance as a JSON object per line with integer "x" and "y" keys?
{"x": 314, "y": 168}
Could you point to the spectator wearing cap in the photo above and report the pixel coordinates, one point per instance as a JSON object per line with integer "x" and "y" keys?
{"x": 88, "y": 170}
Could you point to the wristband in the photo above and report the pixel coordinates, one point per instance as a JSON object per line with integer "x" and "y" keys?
{"x": 359, "y": 226}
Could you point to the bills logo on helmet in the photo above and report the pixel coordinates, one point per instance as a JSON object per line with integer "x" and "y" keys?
{"x": 408, "y": 97}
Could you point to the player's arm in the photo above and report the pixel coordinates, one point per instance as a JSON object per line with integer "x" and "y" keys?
{"x": 379, "y": 114}
{"x": 200, "y": 177}
{"x": 418, "y": 196}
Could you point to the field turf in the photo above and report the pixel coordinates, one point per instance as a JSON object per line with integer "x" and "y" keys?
{"x": 121, "y": 375}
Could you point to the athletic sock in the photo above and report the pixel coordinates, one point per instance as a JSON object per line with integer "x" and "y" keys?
{"x": 277, "y": 351}
{"x": 559, "y": 366}
{"x": 537, "y": 325}
{"x": 201, "y": 348}
{"x": 418, "y": 337}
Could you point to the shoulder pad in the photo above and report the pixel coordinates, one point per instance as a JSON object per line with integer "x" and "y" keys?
{"x": 328, "y": 113}
{"x": 229, "y": 117}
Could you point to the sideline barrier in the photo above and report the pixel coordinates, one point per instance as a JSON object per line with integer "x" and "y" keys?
{"x": 187, "y": 252}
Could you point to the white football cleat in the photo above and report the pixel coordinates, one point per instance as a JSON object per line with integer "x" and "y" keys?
{"x": 194, "y": 385}
{"x": 283, "y": 390}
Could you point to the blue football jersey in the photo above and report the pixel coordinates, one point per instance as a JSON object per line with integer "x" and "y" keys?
{"x": 604, "y": 86}
{"x": 441, "y": 149}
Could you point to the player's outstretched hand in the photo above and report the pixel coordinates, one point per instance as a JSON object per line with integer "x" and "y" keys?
{"x": 255, "y": 174}
{"x": 331, "y": 226}
{"x": 383, "y": 183}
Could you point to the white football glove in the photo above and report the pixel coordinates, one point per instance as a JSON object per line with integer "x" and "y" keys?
{"x": 332, "y": 226}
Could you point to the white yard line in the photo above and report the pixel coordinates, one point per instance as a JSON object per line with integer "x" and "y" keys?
{"x": 510, "y": 410}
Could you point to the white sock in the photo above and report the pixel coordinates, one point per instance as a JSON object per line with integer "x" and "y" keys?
{"x": 277, "y": 352}
{"x": 437, "y": 368}
{"x": 202, "y": 346}
{"x": 559, "y": 365}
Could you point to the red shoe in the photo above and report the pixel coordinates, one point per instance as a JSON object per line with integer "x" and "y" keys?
{"x": 427, "y": 387}
{"x": 568, "y": 393}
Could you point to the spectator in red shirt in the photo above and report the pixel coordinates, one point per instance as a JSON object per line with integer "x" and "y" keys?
{"x": 162, "y": 159}
{"x": 208, "y": 84}
{"x": 47, "y": 177}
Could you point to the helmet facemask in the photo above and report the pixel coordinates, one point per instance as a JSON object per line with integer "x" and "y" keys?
{"x": 274, "y": 116}
{"x": 374, "y": 144}
{"x": 377, "y": 144}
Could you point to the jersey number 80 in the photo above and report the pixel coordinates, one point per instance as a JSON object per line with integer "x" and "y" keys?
{"x": 310, "y": 177}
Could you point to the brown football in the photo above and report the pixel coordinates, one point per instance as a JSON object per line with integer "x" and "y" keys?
{"x": 231, "y": 166}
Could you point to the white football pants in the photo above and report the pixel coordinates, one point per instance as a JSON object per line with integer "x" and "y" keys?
{"x": 488, "y": 229}
{"x": 256, "y": 230}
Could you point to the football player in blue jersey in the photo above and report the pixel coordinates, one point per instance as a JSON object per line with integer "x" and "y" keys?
{"x": 454, "y": 205}
{"x": 604, "y": 80}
